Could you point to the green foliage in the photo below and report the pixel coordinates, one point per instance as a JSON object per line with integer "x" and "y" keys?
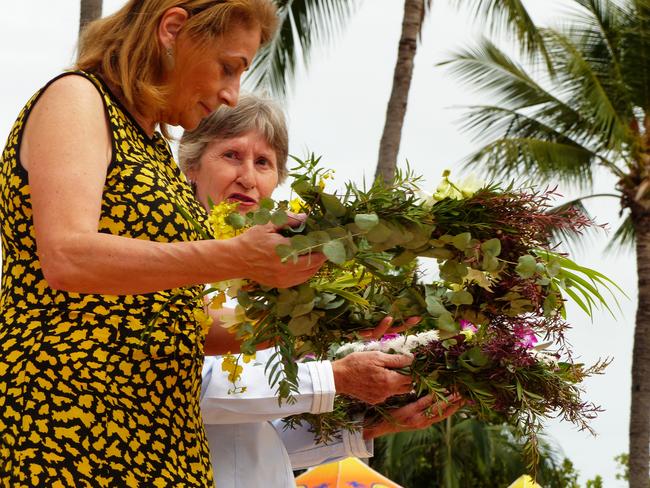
{"x": 466, "y": 452}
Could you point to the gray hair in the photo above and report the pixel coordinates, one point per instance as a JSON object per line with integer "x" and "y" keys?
{"x": 253, "y": 112}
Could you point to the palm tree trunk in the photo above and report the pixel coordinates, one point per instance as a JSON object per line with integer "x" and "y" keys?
{"x": 390, "y": 139}
{"x": 640, "y": 407}
{"x": 90, "y": 10}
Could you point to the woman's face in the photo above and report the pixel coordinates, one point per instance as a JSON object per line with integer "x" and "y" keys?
{"x": 202, "y": 79}
{"x": 242, "y": 169}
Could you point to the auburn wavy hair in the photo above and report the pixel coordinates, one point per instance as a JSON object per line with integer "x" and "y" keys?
{"x": 124, "y": 50}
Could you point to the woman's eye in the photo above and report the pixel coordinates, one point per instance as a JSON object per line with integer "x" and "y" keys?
{"x": 228, "y": 70}
{"x": 230, "y": 155}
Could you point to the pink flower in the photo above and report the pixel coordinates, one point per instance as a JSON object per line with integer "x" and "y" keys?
{"x": 526, "y": 337}
{"x": 388, "y": 337}
{"x": 467, "y": 325}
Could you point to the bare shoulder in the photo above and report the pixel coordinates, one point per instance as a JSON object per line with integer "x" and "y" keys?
{"x": 72, "y": 94}
{"x": 69, "y": 114}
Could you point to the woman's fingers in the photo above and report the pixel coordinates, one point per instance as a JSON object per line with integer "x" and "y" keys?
{"x": 379, "y": 331}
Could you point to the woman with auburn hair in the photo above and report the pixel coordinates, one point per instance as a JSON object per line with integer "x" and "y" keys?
{"x": 100, "y": 370}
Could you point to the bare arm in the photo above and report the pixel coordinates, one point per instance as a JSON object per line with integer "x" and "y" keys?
{"x": 66, "y": 150}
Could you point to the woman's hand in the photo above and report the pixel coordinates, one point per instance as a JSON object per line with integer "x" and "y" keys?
{"x": 415, "y": 416}
{"x": 261, "y": 263}
{"x": 369, "y": 376}
{"x": 384, "y": 327}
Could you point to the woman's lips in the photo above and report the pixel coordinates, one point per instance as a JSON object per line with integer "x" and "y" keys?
{"x": 205, "y": 108}
{"x": 242, "y": 199}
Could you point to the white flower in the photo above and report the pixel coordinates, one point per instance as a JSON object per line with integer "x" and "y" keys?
{"x": 547, "y": 357}
{"x": 348, "y": 348}
{"x": 470, "y": 185}
{"x": 426, "y": 199}
{"x": 421, "y": 339}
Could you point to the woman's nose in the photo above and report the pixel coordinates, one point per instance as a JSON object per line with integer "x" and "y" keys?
{"x": 229, "y": 95}
{"x": 246, "y": 176}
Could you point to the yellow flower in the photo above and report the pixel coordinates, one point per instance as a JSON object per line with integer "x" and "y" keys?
{"x": 218, "y": 300}
{"x": 230, "y": 365}
{"x": 297, "y": 205}
{"x": 468, "y": 333}
{"x": 203, "y": 319}
{"x": 329, "y": 174}
{"x": 220, "y": 228}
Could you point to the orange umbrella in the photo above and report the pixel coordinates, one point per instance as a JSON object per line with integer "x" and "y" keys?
{"x": 349, "y": 473}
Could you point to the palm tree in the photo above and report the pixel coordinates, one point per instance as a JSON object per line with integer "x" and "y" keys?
{"x": 589, "y": 107}
{"x": 465, "y": 452}
{"x": 89, "y": 11}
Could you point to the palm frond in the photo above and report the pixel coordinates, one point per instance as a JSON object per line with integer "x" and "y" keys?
{"x": 511, "y": 17}
{"x": 303, "y": 23}
{"x": 497, "y": 123}
{"x": 545, "y": 161}
{"x": 572, "y": 241}
{"x": 624, "y": 237}
{"x": 488, "y": 68}
{"x": 594, "y": 98}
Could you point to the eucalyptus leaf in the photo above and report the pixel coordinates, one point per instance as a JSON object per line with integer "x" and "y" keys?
{"x": 491, "y": 247}
{"x": 319, "y": 236}
{"x": 332, "y": 205}
{"x": 284, "y": 251}
{"x": 302, "y": 309}
{"x": 335, "y": 251}
{"x": 279, "y": 218}
{"x": 435, "y": 306}
{"x": 403, "y": 258}
{"x": 262, "y": 217}
{"x": 446, "y": 322}
{"x": 461, "y": 241}
{"x": 301, "y": 242}
{"x": 438, "y": 253}
{"x": 365, "y": 222}
{"x": 303, "y": 187}
{"x": 461, "y": 297}
{"x": 527, "y": 265}
{"x": 266, "y": 203}
{"x": 489, "y": 263}
{"x": 453, "y": 271}
{"x": 303, "y": 324}
{"x": 478, "y": 357}
{"x": 236, "y": 220}
{"x": 379, "y": 233}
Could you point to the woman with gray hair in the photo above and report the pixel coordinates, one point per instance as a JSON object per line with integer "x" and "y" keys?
{"x": 240, "y": 155}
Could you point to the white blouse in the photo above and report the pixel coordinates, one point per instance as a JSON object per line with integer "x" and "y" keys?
{"x": 249, "y": 446}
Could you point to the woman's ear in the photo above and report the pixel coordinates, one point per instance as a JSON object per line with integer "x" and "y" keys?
{"x": 170, "y": 25}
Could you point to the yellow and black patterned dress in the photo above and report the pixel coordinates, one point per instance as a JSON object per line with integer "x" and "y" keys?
{"x": 87, "y": 399}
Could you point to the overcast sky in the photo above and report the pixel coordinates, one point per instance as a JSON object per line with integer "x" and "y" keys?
{"x": 337, "y": 110}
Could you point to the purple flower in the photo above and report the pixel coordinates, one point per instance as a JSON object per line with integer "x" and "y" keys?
{"x": 467, "y": 325}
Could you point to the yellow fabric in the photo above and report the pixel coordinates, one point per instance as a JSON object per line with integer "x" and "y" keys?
{"x": 86, "y": 398}
{"x": 350, "y": 472}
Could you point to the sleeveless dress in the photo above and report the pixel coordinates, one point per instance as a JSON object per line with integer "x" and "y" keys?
{"x": 87, "y": 396}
